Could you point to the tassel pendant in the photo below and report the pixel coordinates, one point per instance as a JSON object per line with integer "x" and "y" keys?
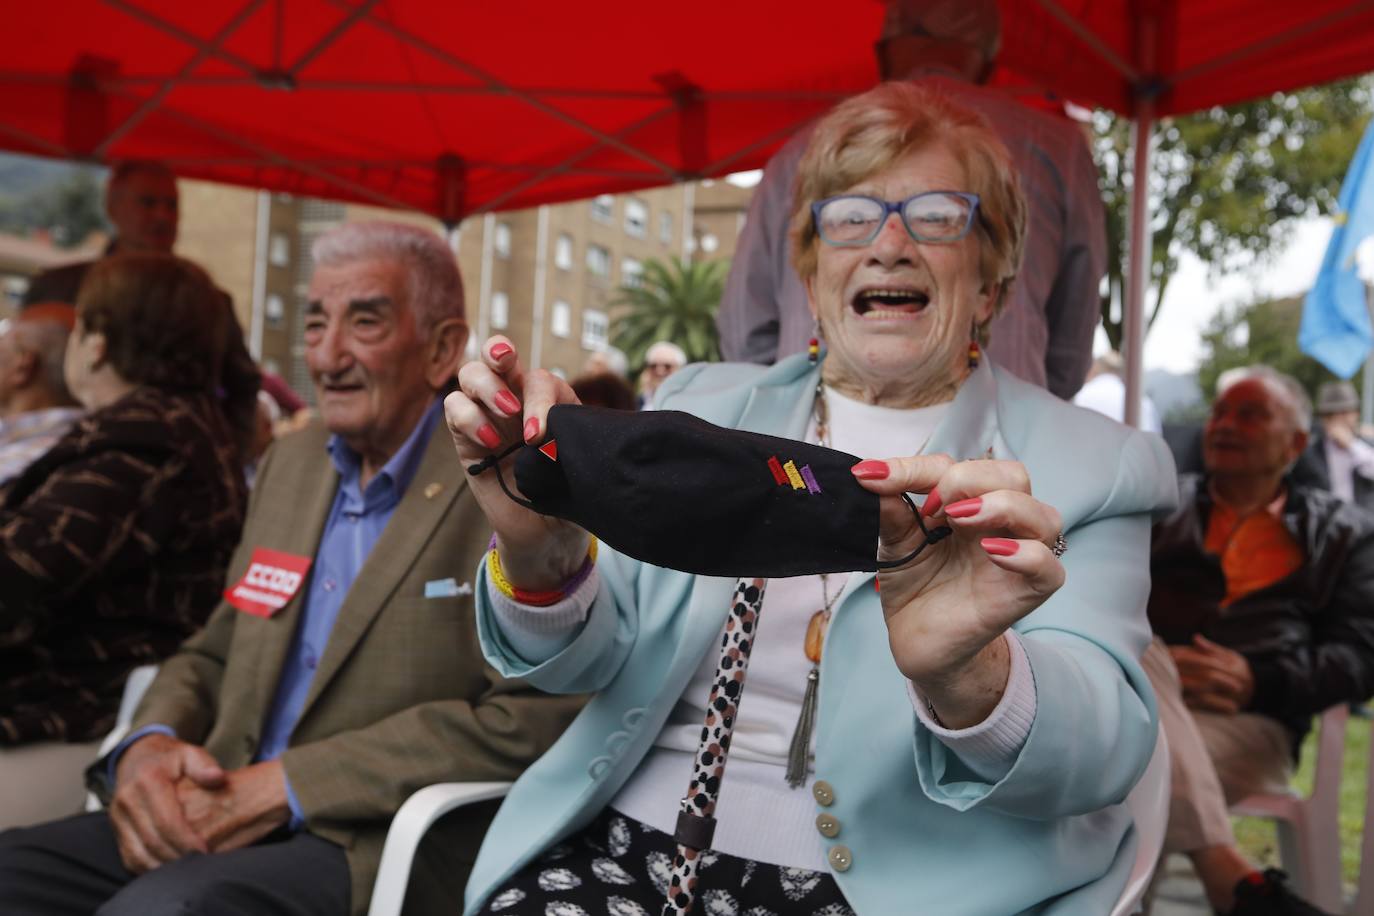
{"x": 800, "y": 748}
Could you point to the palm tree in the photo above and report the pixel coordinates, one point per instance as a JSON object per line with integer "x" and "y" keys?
{"x": 674, "y": 301}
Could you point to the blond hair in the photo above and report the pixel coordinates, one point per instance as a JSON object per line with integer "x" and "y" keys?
{"x": 869, "y": 133}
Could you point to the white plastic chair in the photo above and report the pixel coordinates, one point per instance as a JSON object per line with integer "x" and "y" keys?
{"x": 1364, "y": 894}
{"x": 416, "y": 816}
{"x": 139, "y": 680}
{"x": 1149, "y": 805}
{"x": 1309, "y": 828}
{"x": 1148, "y": 802}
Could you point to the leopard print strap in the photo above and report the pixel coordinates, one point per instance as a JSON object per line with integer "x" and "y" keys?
{"x": 696, "y": 817}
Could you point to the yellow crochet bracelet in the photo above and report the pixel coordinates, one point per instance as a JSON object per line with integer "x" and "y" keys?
{"x": 537, "y": 599}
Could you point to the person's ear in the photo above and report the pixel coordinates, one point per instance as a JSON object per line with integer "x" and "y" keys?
{"x": 444, "y": 351}
{"x": 986, "y": 306}
{"x": 1298, "y": 445}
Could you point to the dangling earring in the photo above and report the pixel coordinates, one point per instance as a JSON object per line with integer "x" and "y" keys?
{"x": 975, "y": 353}
{"x": 813, "y": 348}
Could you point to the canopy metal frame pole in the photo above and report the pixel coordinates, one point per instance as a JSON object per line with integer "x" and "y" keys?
{"x": 1367, "y": 401}
{"x": 1138, "y": 272}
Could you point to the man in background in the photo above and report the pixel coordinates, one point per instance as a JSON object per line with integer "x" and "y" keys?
{"x": 660, "y": 361}
{"x": 1338, "y": 459}
{"x": 1262, "y": 606}
{"x": 35, "y": 407}
{"x": 1045, "y": 332}
{"x": 142, "y": 203}
{"x": 1105, "y": 392}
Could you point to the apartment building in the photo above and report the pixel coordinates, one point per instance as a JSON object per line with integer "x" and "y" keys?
{"x": 546, "y": 277}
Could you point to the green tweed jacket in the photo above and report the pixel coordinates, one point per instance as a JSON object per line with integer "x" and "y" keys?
{"x": 402, "y": 697}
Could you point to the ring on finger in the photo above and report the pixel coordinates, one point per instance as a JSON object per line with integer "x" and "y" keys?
{"x": 1059, "y": 546}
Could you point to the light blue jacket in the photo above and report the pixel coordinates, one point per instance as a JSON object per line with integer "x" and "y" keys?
{"x": 925, "y": 833}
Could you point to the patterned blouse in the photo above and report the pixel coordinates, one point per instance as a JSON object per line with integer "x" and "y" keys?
{"x": 113, "y": 548}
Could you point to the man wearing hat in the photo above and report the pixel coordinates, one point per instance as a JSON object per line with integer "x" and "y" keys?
{"x": 1045, "y": 332}
{"x": 35, "y": 407}
{"x": 1338, "y": 459}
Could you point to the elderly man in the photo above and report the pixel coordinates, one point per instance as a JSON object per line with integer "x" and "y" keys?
{"x": 35, "y": 407}
{"x": 1263, "y": 609}
{"x": 342, "y": 672}
{"x": 661, "y": 360}
{"x": 1045, "y": 333}
{"x": 141, "y": 201}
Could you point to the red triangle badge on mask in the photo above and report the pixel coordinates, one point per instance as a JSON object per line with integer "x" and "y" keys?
{"x": 270, "y": 582}
{"x": 550, "y": 450}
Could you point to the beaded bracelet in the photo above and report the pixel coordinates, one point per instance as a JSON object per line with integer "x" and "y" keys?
{"x": 537, "y": 599}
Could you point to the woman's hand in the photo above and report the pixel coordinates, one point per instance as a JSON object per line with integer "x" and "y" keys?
{"x": 947, "y": 610}
{"x": 498, "y": 404}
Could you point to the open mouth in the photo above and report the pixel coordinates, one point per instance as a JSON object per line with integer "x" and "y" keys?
{"x": 890, "y": 301}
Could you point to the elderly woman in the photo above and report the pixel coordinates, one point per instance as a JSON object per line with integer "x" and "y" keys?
{"x": 980, "y": 711}
{"x": 113, "y": 544}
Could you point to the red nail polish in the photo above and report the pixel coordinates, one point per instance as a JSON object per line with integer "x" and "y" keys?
{"x": 487, "y": 433}
{"x": 508, "y": 403}
{"x": 1000, "y": 547}
{"x": 531, "y": 428}
{"x": 871, "y": 469}
{"x": 964, "y": 507}
{"x": 500, "y": 350}
{"x": 933, "y": 502}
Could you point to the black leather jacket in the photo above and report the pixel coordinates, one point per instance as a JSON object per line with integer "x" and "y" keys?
{"x": 1309, "y": 637}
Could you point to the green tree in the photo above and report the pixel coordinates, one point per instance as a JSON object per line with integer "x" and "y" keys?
{"x": 71, "y": 209}
{"x": 1259, "y": 333}
{"x": 673, "y": 301}
{"x": 1227, "y": 182}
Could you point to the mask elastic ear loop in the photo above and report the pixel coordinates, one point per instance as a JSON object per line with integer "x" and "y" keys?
{"x": 494, "y": 461}
{"x": 933, "y": 536}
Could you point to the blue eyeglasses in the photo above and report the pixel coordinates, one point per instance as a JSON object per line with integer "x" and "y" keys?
{"x": 851, "y": 220}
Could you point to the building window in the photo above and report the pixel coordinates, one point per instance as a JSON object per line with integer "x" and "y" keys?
{"x": 279, "y": 250}
{"x": 665, "y": 228}
{"x": 636, "y": 218}
{"x": 595, "y": 327}
{"x": 598, "y": 261}
{"x": 501, "y": 240}
{"x": 274, "y": 310}
{"x": 563, "y": 252}
{"x": 500, "y": 310}
{"x": 631, "y": 273}
{"x": 560, "y": 320}
{"x": 603, "y": 208}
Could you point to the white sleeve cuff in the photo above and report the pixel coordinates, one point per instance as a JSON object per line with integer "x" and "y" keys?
{"x": 991, "y": 747}
{"x": 539, "y": 633}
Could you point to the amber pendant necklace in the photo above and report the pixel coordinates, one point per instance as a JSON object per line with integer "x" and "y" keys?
{"x": 800, "y": 748}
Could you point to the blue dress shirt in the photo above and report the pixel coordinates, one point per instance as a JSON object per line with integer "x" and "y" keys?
{"x": 356, "y": 520}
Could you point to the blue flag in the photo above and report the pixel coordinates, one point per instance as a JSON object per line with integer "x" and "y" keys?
{"x": 1335, "y": 326}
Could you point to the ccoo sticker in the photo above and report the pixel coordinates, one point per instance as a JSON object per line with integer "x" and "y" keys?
{"x": 271, "y": 580}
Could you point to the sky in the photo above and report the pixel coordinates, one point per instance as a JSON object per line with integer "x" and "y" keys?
{"x": 1175, "y": 342}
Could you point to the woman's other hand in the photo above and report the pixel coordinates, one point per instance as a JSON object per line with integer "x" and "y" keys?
{"x": 497, "y": 405}
{"x": 948, "y": 610}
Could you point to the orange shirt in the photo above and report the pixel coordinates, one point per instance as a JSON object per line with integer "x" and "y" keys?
{"x": 1255, "y": 550}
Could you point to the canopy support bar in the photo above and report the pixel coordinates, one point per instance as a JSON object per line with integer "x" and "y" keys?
{"x": 1272, "y": 42}
{"x": 152, "y": 102}
{"x": 558, "y": 115}
{"x": 194, "y": 41}
{"x": 1138, "y": 269}
{"x": 1092, "y": 41}
{"x": 332, "y": 36}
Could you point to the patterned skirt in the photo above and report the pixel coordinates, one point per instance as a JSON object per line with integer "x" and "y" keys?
{"x": 618, "y": 866}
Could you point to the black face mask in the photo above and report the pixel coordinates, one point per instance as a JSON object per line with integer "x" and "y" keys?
{"x": 672, "y": 490}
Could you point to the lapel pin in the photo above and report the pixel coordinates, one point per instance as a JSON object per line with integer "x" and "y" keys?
{"x": 432, "y": 490}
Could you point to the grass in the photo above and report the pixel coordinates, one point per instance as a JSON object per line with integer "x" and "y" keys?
{"x": 1258, "y": 837}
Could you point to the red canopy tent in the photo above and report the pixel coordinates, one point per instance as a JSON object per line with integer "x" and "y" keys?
{"x": 459, "y": 107}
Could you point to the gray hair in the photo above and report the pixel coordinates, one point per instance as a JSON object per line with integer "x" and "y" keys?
{"x": 432, "y": 279}
{"x": 671, "y": 349}
{"x": 1299, "y": 404}
{"x": 47, "y": 340}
